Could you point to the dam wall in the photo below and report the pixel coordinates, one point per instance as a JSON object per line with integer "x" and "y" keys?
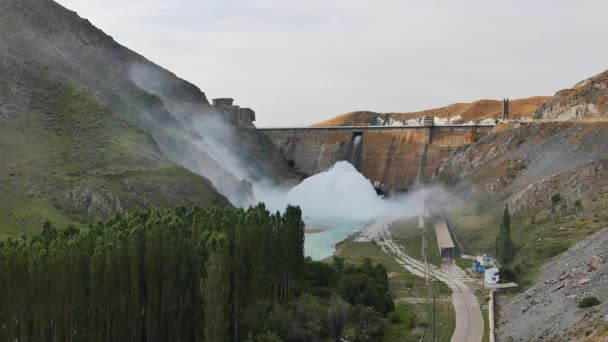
{"x": 392, "y": 157}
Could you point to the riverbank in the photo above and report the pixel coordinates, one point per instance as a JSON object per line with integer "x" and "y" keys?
{"x": 314, "y": 229}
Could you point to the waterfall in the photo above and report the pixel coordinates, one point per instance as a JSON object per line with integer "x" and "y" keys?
{"x": 353, "y": 149}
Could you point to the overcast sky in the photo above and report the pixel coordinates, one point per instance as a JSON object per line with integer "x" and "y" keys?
{"x": 300, "y": 62}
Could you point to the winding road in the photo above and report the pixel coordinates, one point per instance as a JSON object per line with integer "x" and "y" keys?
{"x": 469, "y": 321}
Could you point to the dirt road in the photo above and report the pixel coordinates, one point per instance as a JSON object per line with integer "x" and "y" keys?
{"x": 469, "y": 321}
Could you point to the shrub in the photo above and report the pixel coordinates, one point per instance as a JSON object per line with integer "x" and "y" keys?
{"x": 291, "y": 163}
{"x": 588, "y": 302}
{"x": 393, "y": 317}
{"x": 506, "y": 275}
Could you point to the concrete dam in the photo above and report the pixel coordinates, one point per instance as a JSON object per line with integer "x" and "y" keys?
{"x": 393, "y": 158}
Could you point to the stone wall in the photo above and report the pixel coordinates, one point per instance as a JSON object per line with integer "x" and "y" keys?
{"x": 392, "y": 156}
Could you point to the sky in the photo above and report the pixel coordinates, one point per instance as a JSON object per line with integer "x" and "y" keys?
{"x": 300, "y": 62}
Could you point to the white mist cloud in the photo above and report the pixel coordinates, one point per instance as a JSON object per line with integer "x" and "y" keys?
{"x": 343, "y": 192}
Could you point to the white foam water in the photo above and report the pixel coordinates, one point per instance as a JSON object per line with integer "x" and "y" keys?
{"x": 342, "y": 200}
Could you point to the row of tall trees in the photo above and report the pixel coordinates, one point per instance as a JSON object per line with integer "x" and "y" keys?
{"x": 217, "y": 274}
{"x": 152, "y": 275}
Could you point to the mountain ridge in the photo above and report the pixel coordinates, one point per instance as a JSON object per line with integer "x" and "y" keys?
{"x": 456, "y": 113}
{"x": 71, "y": 96}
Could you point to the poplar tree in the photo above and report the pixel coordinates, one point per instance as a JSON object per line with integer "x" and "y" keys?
{"x": 504, "y": 246}
{"x": 215, "y": 289}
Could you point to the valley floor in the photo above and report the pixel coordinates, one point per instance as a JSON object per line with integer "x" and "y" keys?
{"x": 467, "y": 324}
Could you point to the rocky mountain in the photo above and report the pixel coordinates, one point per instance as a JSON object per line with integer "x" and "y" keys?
{"x": 89, "y": 128}
{"x": 549, "y": 310}
{"x": 588, "y": 99}
{"x": 552, "y": 175}
{"x": 524, "y": 164}
{"x": 454, "y": 113}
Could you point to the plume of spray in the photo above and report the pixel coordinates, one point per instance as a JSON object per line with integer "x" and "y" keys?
{"x": 342, "y": 192}
{"x": 211, "y": 145}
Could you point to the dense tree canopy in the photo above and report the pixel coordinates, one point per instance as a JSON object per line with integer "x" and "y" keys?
{"x": 218, "y": 274}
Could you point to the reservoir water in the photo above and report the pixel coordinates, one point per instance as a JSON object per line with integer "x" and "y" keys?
{"x": 320, "y": 245}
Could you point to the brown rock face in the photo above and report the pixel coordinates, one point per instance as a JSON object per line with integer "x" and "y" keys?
{"x": 527, "y": 164}
{"x": 586, "y": 100}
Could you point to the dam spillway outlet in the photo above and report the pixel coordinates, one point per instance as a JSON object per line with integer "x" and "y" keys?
{"x": 353, "y": 148}
{"x": 394, "y": 156}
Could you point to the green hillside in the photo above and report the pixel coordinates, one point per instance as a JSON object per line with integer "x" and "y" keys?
{"x": 68, "y": 158}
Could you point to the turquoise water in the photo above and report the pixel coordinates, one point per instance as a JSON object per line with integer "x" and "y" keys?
{"x": 321, "y": 245}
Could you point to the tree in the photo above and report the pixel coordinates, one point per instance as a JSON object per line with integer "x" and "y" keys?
{"x": 216, "y": 289}
{"x": 504, "y": 246}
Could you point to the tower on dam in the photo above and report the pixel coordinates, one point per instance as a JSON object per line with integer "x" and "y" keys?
{"x": 505, "y": 109}
{"x": 241, "y": 117}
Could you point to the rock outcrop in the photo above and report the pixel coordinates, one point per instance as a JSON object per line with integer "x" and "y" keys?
{"x": 588, "y": 99}
{"x": 525, "y": 165}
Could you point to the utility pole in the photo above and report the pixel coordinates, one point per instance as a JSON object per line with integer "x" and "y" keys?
{"x": 434, "y": 318}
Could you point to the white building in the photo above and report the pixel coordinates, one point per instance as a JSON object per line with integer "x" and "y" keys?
{"x": 491, "y": 276}
{"x": 485, "y": 260}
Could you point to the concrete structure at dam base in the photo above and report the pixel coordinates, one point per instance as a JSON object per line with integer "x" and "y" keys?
{"x": 393, "y": 158}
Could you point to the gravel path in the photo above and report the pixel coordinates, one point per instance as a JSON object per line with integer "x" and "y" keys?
{"x": 469, "y": 321}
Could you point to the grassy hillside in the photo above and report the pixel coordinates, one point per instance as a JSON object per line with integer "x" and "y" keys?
{"x": 68, "y": 158}
{"x": 478, "y": 110}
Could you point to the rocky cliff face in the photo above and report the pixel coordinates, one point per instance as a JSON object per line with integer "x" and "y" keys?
{"x": 525, "y": 165}
{"x": 89, "y": 113}
{"x": 588, "y": 99}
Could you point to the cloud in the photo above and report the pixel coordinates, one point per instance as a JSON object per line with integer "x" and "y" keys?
{"x": 299, "y": 62}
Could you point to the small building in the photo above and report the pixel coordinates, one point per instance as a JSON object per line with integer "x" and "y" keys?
{"x": 241, "y": 117}
{"x": 491, "y": 276}
{"x": 485, "y": 260}
{"x": 428, "y": 121}
{"x": 444, "y": 239}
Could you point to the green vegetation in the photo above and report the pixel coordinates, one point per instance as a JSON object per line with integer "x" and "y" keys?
{"x": 70, "y": 159}
{"x": 535, "y": 237}
{"x": 407, "y": 234}
{"x": 401, "y": 323}
{"x": 465, "y": 264}
{"x": 219, "y": 274}
{"x": 507, "y": 275}
{"x": 588, "y": 302}
{"x": 403, "y": 284}
{"x": 504, "y": 246}
{"x": 445, "y": 320}
{"x": 485, "y": 312}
